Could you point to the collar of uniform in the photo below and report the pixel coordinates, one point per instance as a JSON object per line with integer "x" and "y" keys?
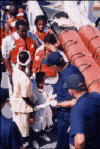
{"x": 82, "y": 96}
{"x": 65, "y": 69}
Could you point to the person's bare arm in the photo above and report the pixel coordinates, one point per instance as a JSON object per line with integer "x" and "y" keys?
{"x": 68, "y": 103}
{"x": 29, "y": 102}
{"x": 79, "y": 141}
{"x": 51, "y": 32}
{"x": 8, "y": 66}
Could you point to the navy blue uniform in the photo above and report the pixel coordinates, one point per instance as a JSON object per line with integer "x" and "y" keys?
{"x": 63, "y": 114}
{"x": 85, "y": 119}
{"x": 10, "y": 137}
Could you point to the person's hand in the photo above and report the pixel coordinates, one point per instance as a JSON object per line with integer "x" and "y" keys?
{"x": 7, "y": 7}
{"x": 54, "y": 103}
{"x": 51, "y": 47}
{"x": 10, "y": 74}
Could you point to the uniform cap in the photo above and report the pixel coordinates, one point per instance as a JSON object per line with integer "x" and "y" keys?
{"x": 75, "y": 82}
{"x": 53, "y": 58}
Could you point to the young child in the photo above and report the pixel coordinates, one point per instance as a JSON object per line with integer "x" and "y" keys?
{"x": 41, "y": 29}
{"x": 43, "y": 117}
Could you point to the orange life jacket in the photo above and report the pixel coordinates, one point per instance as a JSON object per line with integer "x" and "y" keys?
{"x": 12, "y": 23}
{"x": 20, "y": 14}
{"x": 39, "y": 66}
{"x": 21, "y": 44}
{"x": 2, "y": 35}
{"x": 41, "y": 36}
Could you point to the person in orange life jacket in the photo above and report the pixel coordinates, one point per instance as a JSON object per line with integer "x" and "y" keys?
{"x": 13, "y": 11}
{"x": 42, "y": 52}
{"x": 14, "y": 15}
{"x": 41, "y": 29}
{"x": 21, "y": 14}
{"x": 14, "y": 43}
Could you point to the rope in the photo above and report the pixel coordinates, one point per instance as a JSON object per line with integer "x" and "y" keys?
{"x": 82, "y": 54}
{"x": 97, "y": 81}
{"x": 90, "y": 40}
{"x": 88, "y": 65}
{"x": 67, "y": 42}
{"x": 95, "y": 51}
{"x": 71, "y": 43}
{"x": 63, "y": 33}
{"x": 97, "y": 56}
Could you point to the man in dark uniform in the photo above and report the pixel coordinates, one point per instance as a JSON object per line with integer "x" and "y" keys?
{"x": 64, "y": 99}
{"x": 85, "y": 114}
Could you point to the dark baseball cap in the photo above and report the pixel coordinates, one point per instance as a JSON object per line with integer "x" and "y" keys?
{"x": 4, "y": 94}
{"x": 53, "y": 58}
{"x": 75, "y": 82}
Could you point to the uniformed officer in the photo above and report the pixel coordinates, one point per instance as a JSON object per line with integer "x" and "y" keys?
{"x": 85, "y": 114}
{"x": 65, "y": 100}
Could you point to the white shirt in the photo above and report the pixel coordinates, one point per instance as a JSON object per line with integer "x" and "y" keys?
{"x": 8, "y": 44}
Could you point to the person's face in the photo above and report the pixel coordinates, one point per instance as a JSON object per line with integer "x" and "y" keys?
{"x": 22, "y": 31}
{"x": 40, "y": 85}
{"x": 55, "y": 67}
{"x": 40, "y": 25}
{"x": 71, "y": 92}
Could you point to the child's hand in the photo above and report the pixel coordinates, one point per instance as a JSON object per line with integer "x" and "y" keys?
{"x": 54, "y": 103}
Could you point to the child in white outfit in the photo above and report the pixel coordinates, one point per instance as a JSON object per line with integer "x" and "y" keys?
{"x": 43, "y": 117}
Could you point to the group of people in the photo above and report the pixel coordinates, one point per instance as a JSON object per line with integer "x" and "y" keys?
{"x": 44, "y": 85}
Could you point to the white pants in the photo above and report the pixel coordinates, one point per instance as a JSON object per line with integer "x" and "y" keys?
{"x": 22, "y": 120}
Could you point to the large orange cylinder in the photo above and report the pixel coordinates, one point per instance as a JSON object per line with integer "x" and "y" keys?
{"x": 78, "y": 55}
{"x": 90, "y": 35}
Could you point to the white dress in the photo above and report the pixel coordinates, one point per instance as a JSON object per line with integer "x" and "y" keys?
{"x": 43, "y": 117}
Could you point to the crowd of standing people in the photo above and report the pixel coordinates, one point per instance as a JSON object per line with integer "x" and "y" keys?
{"x": 43, "y": 85}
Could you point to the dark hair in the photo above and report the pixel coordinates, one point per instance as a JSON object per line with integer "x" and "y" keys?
{"x": 23, "y": 56}
{"x": 13, "y": 10}
{"x": 50, "y": 38}
{"x": 62, "y": 63}
{"x": 39, "y": 77}
{"x": 40, "y": 17}
{"x": 61, "y": 14}
{"x": 82, "y": 88}
{"x": 20, "y": 22}
{"x": 15, "y": 2}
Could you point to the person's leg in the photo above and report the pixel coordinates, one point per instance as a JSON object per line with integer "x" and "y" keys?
{"x": 62, "y": 126}
{"x": 43, "y": 136}
{"x": 33, "y": 138}
{"x": 22, "y": 121}
{"x": 42, "y": 132}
